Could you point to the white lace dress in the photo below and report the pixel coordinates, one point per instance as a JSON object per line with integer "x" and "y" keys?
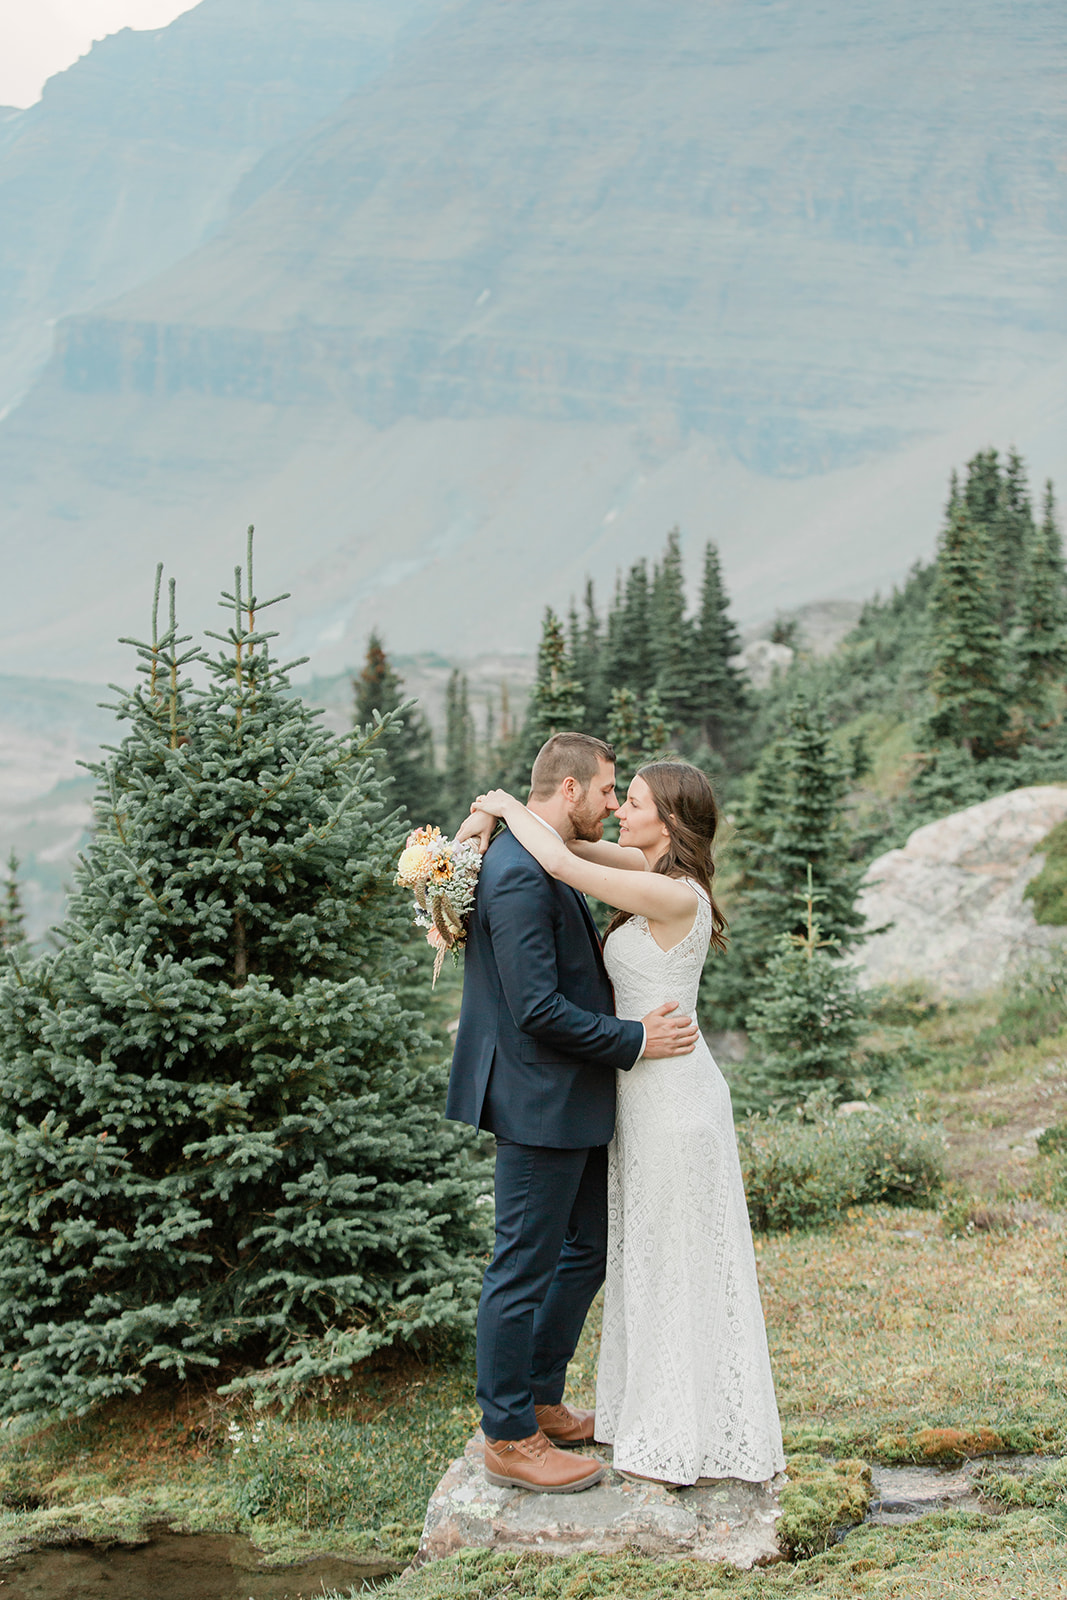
{"x": 684, "y": 1387}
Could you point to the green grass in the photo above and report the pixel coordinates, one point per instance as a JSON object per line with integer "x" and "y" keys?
{"x": 896, "y": 1335}
{"x": 1022, "y": 1556}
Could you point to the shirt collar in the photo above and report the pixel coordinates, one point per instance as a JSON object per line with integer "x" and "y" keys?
{"x": 549, "y": 826}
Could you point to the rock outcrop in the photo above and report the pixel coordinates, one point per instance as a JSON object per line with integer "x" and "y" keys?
{"x": 954, "y": 896}
{"x": 725, "y": 1521}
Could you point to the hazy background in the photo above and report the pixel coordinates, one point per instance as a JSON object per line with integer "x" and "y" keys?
{"x": 461, "y": 300}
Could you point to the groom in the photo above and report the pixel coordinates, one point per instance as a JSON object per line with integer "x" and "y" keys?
{"x": 535, "y": 1060}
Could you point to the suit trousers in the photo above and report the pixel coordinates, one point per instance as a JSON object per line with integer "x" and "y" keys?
{"x": 548, "y": 1263}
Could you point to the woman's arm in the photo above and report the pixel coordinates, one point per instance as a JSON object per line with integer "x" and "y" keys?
{"x": 606, "y": 854}
{"x": 648, "y": 894}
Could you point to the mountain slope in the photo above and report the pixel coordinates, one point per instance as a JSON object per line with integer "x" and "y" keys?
{"x": 559, "y": 276}
{"x": 130, "y": 159}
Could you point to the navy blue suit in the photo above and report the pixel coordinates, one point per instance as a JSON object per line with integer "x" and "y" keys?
{"x": 535, "y": 1059}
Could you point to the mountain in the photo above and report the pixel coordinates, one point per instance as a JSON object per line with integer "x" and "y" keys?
{"x": 557, "y": 276}
{"x": 130, "y": 159}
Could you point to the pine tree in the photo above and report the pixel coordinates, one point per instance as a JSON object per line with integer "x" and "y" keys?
{"x": 719, "y": 690}
{"x": 969, "y": 668}
{"x": 220, "y": 1134}
{"x": 461, "y": 758}
{"x": 805, "y": 1022}
{"x": 556, "y": 699}
{"x": 794, "y": 820}
{"x": 404, "y": 752}
{"x": 637, "y": 730}
{"x": 1040, "y": 638}
{"x": 635, "y": 668}
{"x": 12, "y": 917}
{"x": 587, "y": 661}
{"x": 671, "y": 638}
{"x": 996, "y": 499}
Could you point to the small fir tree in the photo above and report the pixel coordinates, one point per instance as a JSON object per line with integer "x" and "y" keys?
{"x": 637, "y": 730}
{"x": 587, "y": 661}
{"x": 404, "y": 752}
{"x": 636, "y": 668}
{"x": 806, "y": 1021}
{"x": 671, "y": 639}
{"x": 968, "y": 676}
{"x": 794, "y": 820}
{"x": 555, "y": 704}
{"x": 12, "y": 917}
{"x": 719, "y": 690}
{"x": 220, "y": 1134}
{"x": 1040, "y": 639}
{"x": 461, "y": 757}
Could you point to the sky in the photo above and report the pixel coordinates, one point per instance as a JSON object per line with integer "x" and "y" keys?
{"x": 40, "y": 37}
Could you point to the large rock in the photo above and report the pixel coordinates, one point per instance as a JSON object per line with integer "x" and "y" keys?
{"x": 954, "y": 896}
{"x": 726, "y": 1521}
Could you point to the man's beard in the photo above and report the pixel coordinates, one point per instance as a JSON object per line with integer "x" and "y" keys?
{"x": 588, "y": 825}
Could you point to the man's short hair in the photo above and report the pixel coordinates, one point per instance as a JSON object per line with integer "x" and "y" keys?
{"x": 567, "y": 755}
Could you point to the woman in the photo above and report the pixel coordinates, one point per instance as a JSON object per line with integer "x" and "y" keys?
{"x": 684, "y": 1387}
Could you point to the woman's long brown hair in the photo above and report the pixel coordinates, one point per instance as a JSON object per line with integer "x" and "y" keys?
{"x": 685, "y": 804}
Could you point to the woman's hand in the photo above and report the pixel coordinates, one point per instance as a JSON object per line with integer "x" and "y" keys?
{"x": 496, "y": 803}
{"x": 478, "y": 826}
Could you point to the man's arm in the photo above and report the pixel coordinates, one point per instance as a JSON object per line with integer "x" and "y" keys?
{"x": 520, "y": 914}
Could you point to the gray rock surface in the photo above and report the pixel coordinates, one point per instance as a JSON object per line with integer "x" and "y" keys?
{"x": 726, "y": 1521}
{"x": 954, "y": 896}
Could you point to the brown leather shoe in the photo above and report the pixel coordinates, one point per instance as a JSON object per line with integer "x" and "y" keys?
{"x": 535, "y": 1464}
{"x": 565, "y": 1427}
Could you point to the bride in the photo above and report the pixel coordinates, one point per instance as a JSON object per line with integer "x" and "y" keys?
{"x": 684, "y": 1388}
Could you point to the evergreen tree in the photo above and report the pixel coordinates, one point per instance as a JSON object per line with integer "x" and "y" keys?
{"x": 996, "y": 499}
{"x": 556, "y": 699}
{"x": 671, "y": 638}
{"x": 795, "y": 820}
{"x": 637, "y": 730}
{"x": 634, "y": 665}
{"x": 1040, "y": 639}
{"x": 404, "y": 752}
{"x": 719, "y": 690}
{"x": 12, "y": 918}
{"x": 587, "y": 661}
{"x": 969, "y": 667}
{"x": 220, "y": 1135}
{"x": 805, "y": 1022}
{"x": 461, "y": 758}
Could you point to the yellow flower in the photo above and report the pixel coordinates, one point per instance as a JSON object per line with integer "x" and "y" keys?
{"x": 442, "y": 870}
{"x": 414, "y": 866}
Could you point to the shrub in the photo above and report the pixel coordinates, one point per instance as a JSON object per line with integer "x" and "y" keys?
{"x": 805, "y": 1174}
{"x": 1034, "y": 1007}
{"x": 1048, "y": 890}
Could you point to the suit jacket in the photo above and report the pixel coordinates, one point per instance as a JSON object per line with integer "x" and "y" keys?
{"x": 538, "y": 1041}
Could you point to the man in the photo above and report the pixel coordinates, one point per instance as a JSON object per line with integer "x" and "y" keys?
{"x": 535, "y": 1060}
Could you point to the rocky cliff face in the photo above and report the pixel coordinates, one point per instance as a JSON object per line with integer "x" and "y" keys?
{"x": 559, "y": 275}
{"x": 953, "y": 896}
{"x": 131, "y": 158}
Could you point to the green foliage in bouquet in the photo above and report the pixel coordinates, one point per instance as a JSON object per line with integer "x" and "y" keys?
{"x": 220, "y": 1129}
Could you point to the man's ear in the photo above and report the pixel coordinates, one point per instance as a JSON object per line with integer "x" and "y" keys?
{"x": 569, "y": 788}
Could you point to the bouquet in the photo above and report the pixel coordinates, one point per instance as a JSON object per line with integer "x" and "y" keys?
{"x": 443, "y": 876}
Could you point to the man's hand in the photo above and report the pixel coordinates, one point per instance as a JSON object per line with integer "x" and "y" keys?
{"x": 479, "y": 825}
{"x": 667, "y": 1035}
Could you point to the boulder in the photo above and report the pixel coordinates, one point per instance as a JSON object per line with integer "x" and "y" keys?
{"x": 725, "y": 1521}
{"x": 953, "y": 896}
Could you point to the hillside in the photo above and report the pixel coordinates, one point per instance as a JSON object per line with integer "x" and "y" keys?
{"x": 556, "y": 277}
{"x": 131, "y": 158}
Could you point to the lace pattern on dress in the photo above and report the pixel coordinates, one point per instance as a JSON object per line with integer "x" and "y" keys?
{"x": 684, "y": 1386}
